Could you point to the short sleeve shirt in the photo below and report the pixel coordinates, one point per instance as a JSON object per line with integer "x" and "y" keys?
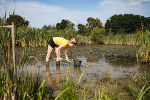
{"x": 60, "y": 41}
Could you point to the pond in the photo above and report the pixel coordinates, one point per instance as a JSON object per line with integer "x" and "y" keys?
{"x": 98, "y": 61}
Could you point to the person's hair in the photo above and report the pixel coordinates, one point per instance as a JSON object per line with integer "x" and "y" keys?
{"x": 73, "y": 40}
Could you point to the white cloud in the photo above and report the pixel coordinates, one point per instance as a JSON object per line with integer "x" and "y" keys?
{"x": 125, "y": 2}
{"x": 137, "y": 2}
{"x": 40, "y": 14}
{"x": 111, "y": 7}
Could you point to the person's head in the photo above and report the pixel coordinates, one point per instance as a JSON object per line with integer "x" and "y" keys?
{"x": 72, "y": 42}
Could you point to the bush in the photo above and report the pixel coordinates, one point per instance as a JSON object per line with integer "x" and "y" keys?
{"x": 97, "y": 35}
{"x": 82, "y": 40}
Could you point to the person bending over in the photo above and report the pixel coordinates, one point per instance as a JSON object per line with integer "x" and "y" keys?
{"x": 57, "y": 43}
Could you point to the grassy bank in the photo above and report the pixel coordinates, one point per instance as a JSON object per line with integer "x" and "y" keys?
{"x": 39, "y": 37}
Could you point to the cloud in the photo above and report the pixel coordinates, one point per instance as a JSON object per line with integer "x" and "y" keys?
{"x": 137, "y": 2}
{"x": 39, "y": 14}
{"x": 125, "y": 2}
{"x": 111, "y": 7}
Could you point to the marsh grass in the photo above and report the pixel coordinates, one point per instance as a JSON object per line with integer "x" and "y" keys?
{"x": 143, "y": 54}
{"x": 133, "y": 87}
{"x": 30, "y": 86}
{"x": 122, "y": 39}
{"x": 74, "y": 89}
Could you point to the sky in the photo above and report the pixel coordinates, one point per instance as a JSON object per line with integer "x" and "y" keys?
{"x": 51, "y": 12}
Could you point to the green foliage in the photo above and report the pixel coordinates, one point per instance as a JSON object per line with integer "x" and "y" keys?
{"x": 82, "y": 40}
{"x": 30, "y": 86}
{"x": 48, "y": 27}
{"x": 141, "y": 94}
{"x": 2, "y": 21}
{"x": 81, "y": 29}
{"x": 127, "y": 23}
{"x": 64, "y": 24}
{"x": 18, "y": 21}
{"x": 72, "y": 90}
{"x": 39, "y": 37}
{"x": 92, "y": 23}
{"x": 97, "y": 35}
{"x": 69, "y": 33}
{"x": 123, "y": 39}
{"x": 143, "y": 54}
{"x": 5, "y": 35}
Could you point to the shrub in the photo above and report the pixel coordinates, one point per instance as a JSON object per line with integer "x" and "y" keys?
{"x": 97, "y": 35}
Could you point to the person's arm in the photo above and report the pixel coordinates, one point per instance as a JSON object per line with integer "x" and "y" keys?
{"x": 66, "y": 55}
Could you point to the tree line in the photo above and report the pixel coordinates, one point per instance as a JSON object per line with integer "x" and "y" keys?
{"x": 118, "y": 29}
{"x": 122, "y": 23}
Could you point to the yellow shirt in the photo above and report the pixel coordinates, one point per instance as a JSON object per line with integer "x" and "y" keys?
{"x": 60, "y": 41}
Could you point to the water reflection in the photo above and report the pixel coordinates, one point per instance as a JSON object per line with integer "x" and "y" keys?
{"x": 77, "y": 70}
{"x": 58, "y": 73}
{"x": 116, "y": 60}
{"x": 93, "y": 59}
{"x": 52, "y": 82}
{"x": 121, "y": 61}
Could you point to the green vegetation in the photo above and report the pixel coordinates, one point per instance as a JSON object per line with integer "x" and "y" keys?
{"x": 127, "y": 29}
{"x": 18, "y": 20}
{"x": 31, "y": 86}
{"x": 76, "y": 87}
{"x": 134, "y": 87}
{"x": 119, "y": 29}
{"x": 143, "y": 54}
{"x": 127, "y": 23}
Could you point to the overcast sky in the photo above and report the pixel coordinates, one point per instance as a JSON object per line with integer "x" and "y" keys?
{"x": 51, "y": 12}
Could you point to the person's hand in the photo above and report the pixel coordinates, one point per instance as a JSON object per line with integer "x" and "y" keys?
{"x": 58, "y": 59}
{"x": 68, "y": 61}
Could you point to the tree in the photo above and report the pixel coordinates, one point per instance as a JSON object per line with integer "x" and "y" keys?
{"x": 64, "y": 24}
{"x": 81, "y": 28}
{"x": 92, "y": 23}
{"x": 48, "y": 27}
{"x": 18, "y": 21}
{"x": 127, "y": 23}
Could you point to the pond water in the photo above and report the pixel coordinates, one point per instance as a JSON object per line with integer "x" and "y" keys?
{"x": 98, "y": 61}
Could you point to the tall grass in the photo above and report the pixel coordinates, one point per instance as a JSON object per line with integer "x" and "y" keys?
{"x": 73, "y": 89}
{"x": 122, "y": 39}
{"x": 143, "y": 54}
{"x": 30, "y": 86}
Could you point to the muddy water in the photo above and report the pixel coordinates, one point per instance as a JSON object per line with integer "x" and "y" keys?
{"x": 98, "y": 61}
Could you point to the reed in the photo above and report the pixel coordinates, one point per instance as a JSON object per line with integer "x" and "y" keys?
{"x": 74, "y": 89}
{"x": 29, "y": 86}
{"x": 143, "y": 54}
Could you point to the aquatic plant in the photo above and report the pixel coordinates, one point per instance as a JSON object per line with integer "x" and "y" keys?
{"x": 142, "y": 92}
{"x": 29, "y": 86}
{"x": 73, "y": 90}
{"x": 143, "y": 54}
